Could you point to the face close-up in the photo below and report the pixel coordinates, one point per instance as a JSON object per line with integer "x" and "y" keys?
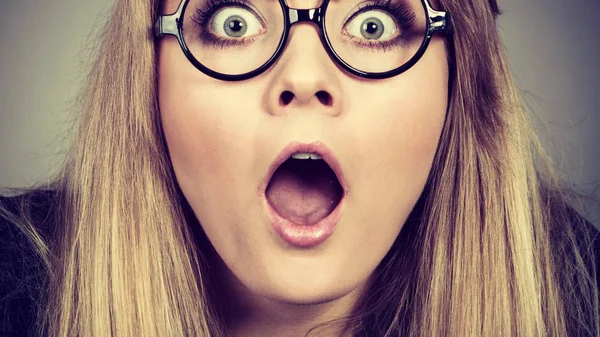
{"x": 377, "y": 139}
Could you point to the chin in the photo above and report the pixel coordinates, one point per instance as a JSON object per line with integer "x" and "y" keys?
{"x": 307, "y": 296}
{"x": 305, "y": 289}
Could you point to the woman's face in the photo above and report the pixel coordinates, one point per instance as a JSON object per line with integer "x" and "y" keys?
{"x": 223, "y": 138}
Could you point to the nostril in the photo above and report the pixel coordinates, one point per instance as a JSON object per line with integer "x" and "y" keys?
{"x": 324, "y": 97}
{"x": 286, "y": 97}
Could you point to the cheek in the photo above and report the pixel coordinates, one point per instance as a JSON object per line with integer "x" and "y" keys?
{"x": 407, "y": 129}
{"x": 395, "y": 133}
{"x": 207, "y": 133}
{"x": 402, "y": 118}
{"x": 197, "y": 134}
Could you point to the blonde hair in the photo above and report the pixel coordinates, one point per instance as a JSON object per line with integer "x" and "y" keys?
{"x": 493, "y": 247}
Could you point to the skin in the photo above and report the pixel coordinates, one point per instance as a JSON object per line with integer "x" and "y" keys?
{"x": 384, "y": 133}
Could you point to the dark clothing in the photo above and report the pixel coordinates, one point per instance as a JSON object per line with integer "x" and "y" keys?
{"x": 24, "y": 280}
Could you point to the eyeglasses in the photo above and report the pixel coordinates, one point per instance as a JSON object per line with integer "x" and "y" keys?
{"x": 235, "y": 40}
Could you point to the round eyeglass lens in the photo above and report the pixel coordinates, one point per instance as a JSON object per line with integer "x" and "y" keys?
{"x": 376, "y": 35}
{"x": 233, "y": 37}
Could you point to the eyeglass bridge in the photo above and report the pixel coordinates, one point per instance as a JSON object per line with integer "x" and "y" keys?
{"x": 305, "y": 15}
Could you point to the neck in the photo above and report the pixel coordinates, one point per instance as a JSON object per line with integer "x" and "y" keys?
{"x": 249, "y": 315}
{"x": 264, "y": 317}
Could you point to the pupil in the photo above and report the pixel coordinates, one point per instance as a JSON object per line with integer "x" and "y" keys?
{"x": 235, "y": 26}
{"x": 371, "y": 27}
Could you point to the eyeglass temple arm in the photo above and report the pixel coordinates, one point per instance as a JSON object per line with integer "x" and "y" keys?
{"x": 168, "y": 24}
{"x": 438, "y": 21}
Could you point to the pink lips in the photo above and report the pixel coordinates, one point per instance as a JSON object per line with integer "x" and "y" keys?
{"x": 292, "y": 233}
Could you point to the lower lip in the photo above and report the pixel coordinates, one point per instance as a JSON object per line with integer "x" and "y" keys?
{"x": 304, "y": 236}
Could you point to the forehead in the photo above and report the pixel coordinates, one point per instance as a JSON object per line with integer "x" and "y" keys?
{"x": 305, "y": 3}
{"x": 170, "y": 6}
{"x": 316, "y": 3}
{"x": 296, "y": 3}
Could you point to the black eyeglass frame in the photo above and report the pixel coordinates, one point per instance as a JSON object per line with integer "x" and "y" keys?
{"x": 172, "y": 24}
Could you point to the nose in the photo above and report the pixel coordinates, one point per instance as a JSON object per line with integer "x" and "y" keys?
{"x": 305, "y": 75}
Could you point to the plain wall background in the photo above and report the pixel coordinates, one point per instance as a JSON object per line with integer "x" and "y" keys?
{"x": 553, "y": 46}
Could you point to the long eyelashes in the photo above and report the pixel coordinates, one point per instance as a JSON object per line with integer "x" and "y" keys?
{"x": 401, "y": 12}
{"x": 206, "y": 11}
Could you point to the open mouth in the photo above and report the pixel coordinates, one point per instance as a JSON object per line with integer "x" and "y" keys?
{"x": 304, "y": 189}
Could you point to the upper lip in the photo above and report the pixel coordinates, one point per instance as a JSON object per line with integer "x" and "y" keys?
{"x": 315, "y": 147}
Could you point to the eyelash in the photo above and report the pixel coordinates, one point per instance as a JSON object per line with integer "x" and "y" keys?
{"x": 400, "y": 12}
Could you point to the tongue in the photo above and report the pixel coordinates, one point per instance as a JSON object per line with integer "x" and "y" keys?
{"x": 304, "y": 192}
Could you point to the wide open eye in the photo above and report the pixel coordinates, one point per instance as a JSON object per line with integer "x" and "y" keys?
{"x": 235, "y": 22}
{"x": 372, "y": 25}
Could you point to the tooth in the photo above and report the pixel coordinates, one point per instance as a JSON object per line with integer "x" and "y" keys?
{"x": 314, "y": 156}
{"x": 301, "y": 155}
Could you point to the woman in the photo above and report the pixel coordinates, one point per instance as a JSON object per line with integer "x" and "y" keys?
{"x": 245, "y": 177}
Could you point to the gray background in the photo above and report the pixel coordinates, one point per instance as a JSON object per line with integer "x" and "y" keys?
{"x": 553, "y": 46}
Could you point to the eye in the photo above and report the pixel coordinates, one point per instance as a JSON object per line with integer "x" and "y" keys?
{"x": 372, "y": 25}
{"x": 235, "y": 22}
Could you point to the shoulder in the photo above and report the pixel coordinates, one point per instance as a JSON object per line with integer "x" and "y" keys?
{"x": 23, "y": 276}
